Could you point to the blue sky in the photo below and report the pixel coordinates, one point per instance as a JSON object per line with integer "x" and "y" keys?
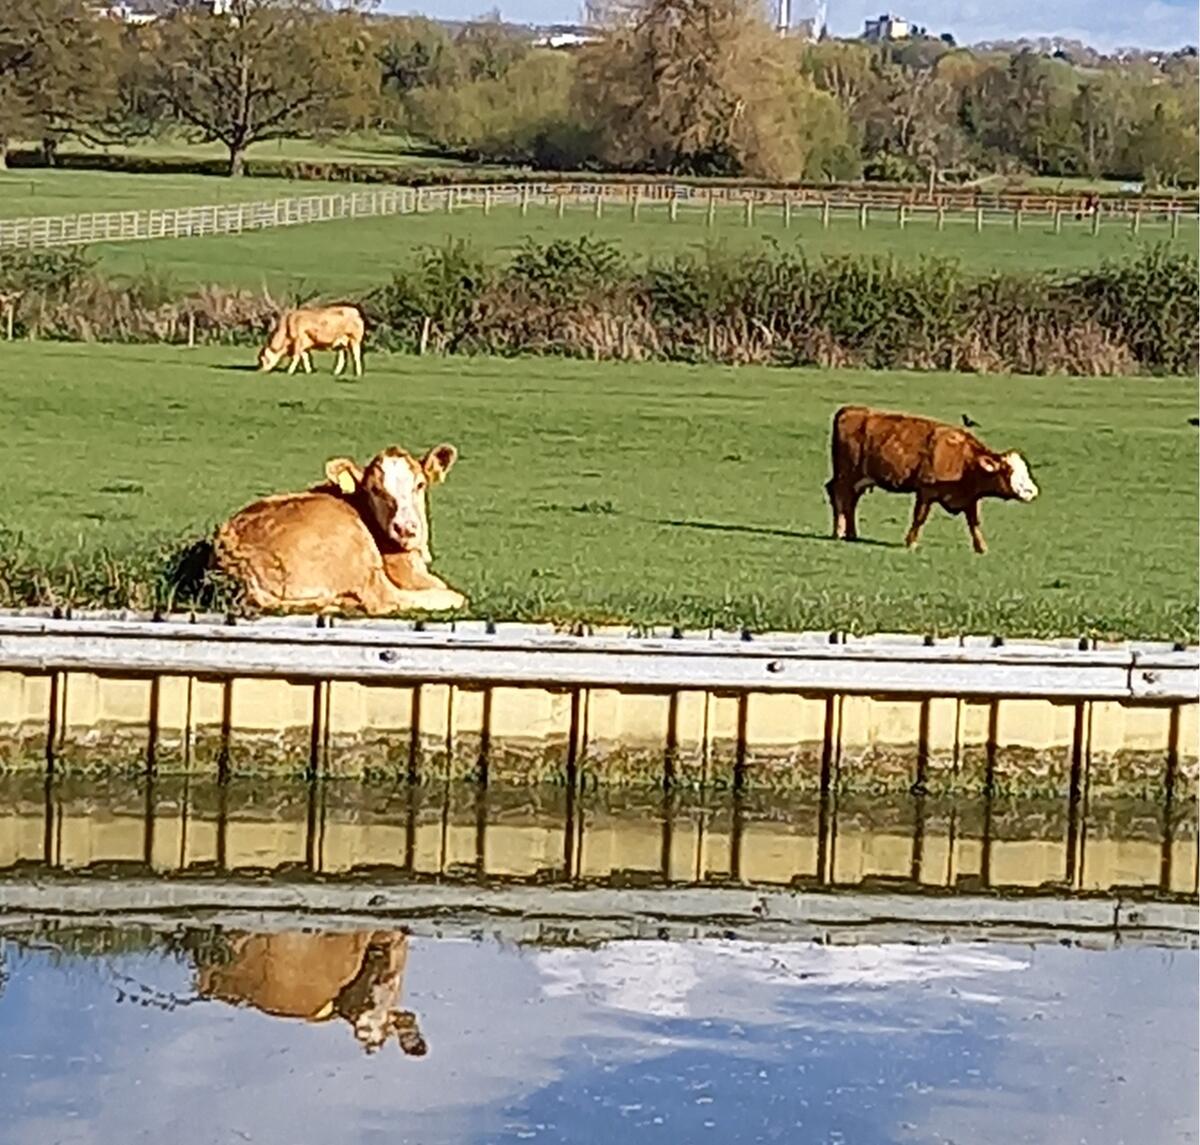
{"x": 1144, "y": 23}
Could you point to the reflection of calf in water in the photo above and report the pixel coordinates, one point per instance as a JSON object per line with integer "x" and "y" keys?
{"x": 355, "y": 976}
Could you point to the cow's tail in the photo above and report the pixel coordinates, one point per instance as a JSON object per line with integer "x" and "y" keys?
{"x": 191, "y": 578}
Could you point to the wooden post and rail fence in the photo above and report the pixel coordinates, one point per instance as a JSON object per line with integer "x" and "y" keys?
{"x": 644, "y": 201}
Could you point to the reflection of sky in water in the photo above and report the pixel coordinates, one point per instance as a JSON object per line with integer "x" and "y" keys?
{"x": 719, "y": 1041}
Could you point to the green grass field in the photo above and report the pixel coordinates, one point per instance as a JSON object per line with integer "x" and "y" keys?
{"x": 41, "y": 192}
{"x": 352, "y": 254}
{"x": 653, "y": 494}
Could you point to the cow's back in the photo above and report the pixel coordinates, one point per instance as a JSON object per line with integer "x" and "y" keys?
{"x": 299, "y": 547}
{"x": 290, "y": 974}
{"x": 327, "y": 325}
{"x": 896, "y": 451}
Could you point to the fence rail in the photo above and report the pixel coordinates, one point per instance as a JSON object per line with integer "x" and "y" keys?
{"x": 960, "y": 206}
{"x": 801, "y": 663}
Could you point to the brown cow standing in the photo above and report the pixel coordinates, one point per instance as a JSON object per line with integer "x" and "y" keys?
{"x": 356, "y": 976}
{"x": 941, "y": 464}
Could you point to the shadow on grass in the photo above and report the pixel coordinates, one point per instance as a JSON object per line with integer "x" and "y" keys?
{"x": 789, "y": 534}
{"x": 240, "y": 367}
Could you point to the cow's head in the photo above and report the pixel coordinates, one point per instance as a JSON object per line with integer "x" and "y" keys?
{"x": 1007, "y": 476}
{"x": 268, "y": 358}
{"x": 392, "y": 489}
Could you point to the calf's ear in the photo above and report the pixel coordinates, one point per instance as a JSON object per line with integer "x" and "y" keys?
{"x": 988, "y": 465}
{"x": 437, "y": 462}
{"x": 343, "y": 473}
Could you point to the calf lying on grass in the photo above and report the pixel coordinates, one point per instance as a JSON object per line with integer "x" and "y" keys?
{"x": 296, "y": 332}
{"x": 359, "y": 543}
{"x": 941, "y": 464}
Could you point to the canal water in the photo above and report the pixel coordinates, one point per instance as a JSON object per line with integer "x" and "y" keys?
{"x": 232, "y": 1024}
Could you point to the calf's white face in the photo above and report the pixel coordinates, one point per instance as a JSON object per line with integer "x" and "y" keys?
{"x": 1019, "y": 477}
{"x": 394, "y": 485}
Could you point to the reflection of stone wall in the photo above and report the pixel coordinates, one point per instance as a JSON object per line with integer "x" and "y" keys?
{"x": 615, "y": 837}
{"x": 250, "y": 726}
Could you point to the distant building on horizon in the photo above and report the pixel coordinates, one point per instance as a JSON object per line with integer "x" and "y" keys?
{"x": 886, "y": 29}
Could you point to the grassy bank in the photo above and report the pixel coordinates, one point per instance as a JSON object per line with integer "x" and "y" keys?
{"x": 350, "y": 254}
{"x": 644, "y": 493}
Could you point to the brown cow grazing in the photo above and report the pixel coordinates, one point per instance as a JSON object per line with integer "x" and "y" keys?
{"x": 296, "y": 332}
{"x": 358, "y": 543}
{"x": 941, "y": 464}
{"x": 356, "y": 976}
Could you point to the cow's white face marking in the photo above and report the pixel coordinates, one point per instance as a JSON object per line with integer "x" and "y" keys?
{"x": 1019, "y": 477}
{"x": 402, "y": 512}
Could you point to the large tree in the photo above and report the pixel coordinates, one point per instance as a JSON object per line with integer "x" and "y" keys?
{"x": 56, "y": 73}
{"x": 265, "y": 69}
{"x": 702, "y": 86}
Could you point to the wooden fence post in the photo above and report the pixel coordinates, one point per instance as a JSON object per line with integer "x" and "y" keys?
{"x": 900, "y": 216}
{"x": 524, "y": 199}
{"x": 711, "y": 218}
{"x": 1096, "y": 219}
{"x": 562, "y": 203}
{"x": 787, "y": 212}
{"x": 1174, "y": 222}
{"x": 599, "y": 203}
{"x": 487, "y": 201}
{"x": 825, "y": 214}
{"x": 673, "y": 210}
{"x": 978, "y": 220}
{"x": 749, "y": 212}
{"x": 1135, "y": 224}
{"x": 425, "y": 328}
{"x": 1058, "y": 220}
{"x": 941, "y": 217}
{"x": 419, "y": 201}
{"x": 191, "y": 328}
{"x": 1017, "y": 219}
{"x": 449, "y": 200}
{"x": 862, "y": 216}
{"x": 634, "y": 199}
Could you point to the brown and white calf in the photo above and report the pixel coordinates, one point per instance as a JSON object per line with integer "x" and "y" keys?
{"x": 940, "y": 464}
{"x": 296, "y": 332}
{"x": 356, "y": 976}
{"x": 358, "y": 543}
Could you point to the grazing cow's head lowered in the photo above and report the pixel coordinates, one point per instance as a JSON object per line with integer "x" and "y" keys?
{"x": 391, "y": 488}
{"x": 1007, "y": 476}
{"x": 272, "y": 353}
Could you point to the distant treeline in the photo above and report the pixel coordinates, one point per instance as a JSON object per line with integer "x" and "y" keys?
{"x": 587, "y": 299}
{"x": 701, "y": 87}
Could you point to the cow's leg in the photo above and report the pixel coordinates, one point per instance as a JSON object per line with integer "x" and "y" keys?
{"x": 972, "y": 515}
{"x": 294, "y": 363}
{"x": 340, "y": 363}
{"x": 382, "y": 597}
{"x": 920, "y": 516}
{"x": 844, "y": 499}
{"x": 356, "y": 354}
{"x": 306, "y": 358}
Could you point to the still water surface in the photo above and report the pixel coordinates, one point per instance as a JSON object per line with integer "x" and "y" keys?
{"x": 124, "y": 1034}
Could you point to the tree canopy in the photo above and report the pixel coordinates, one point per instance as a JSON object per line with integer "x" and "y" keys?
{"x": 671, "y": 86}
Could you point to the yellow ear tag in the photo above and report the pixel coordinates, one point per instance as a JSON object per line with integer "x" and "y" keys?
{"x": 346, "y": 482}
{"x": 323, "y": 1012}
